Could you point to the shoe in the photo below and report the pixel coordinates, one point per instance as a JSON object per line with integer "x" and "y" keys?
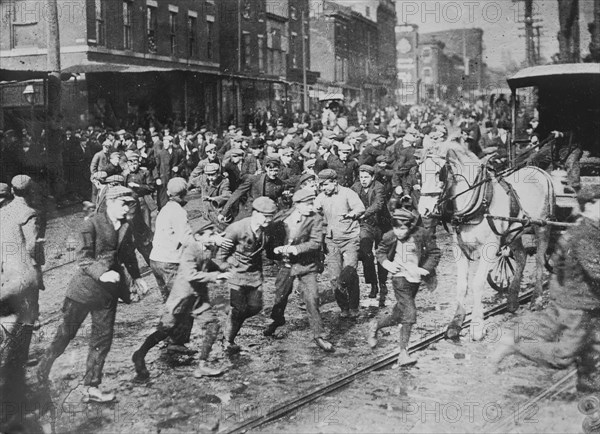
{"x": 374, "y": 291}
{"x": 324, "y": 345}
{"x": 372, "y": 334}
{"x": 354, "y": 313}
{"x": 142, "y": 373}
{"x": 203, "y": 308}
{"x": 404, "y": 360}
{"x": 96, "y": 395}
{"x": 382, "y": 302}
{"x": 180, "y": 349}
{"x": 231, "y": 348}
{"x": 206, "y": 371}
{"x": 345, "y": 313}
{"x": 270, "y": 329}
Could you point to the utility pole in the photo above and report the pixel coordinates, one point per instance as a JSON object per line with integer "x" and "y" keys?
{"x": 594, "y": 28}
{"x": 53, "y": 64}
{"x": 305, "y": 102}
{"x": 532, "y": 55}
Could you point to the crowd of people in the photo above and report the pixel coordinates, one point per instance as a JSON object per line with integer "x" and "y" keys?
{"x": 313, "y": 200}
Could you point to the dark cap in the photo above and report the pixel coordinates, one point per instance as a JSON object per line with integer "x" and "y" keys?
{"x": 303, "y": 195}
{"x": 328, "y": 175}
{"x": 366, "y": 168}
{"x": 404, "y": 215}
{"x": 120, "y": 192}
{"x": 272, "y": 161}
{"x": 202, "y": 225}
{"x": 306, "y": 177}
{"x": 264, "y": 205}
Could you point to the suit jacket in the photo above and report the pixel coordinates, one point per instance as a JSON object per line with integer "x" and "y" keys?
{"x": 308, "y": 241}
{"x": 254, "y": 186}
{"x": 425, "y": 247}
{"x": 219, "y": 193}
{"x": 103, "y": 249}
{"x": 373, "y": 205}
{"x": 234, "y": 174}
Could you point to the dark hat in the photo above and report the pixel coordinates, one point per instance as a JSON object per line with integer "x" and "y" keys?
{"x": 272, "y": 161}
{"x": 202, "y": 225}
{"x": 328, "y": 175}
{"x": 257, "y": 143}
{"x": 21, "y": 183}
{"x": 176, "y": 186}
{"x": 404, "y": 215}
{"x": 211, "y": 168}
{"x": 303, "y": 195}
{"x": 264, "y": 205}
{"x": 306, "y": 177}
{"x": 128, "y": 136}
{"x": 366, "y": 168}
{"x": 4, "y": 190}
{"x": 120, "y": 192}
{"x": 279, "y": 135}
{"x": 382, "y": 159}
{"x": 115, "y": 179}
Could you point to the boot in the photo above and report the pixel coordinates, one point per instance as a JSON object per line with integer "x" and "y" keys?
{"x": 382, "y": 294}
{"x": 270, "y": 329}
{"x": 374, "y": 290}
{"x": 404, "y": 359}
{"x": 142, "y": 373}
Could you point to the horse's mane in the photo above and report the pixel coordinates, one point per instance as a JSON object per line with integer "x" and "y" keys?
{"x": 442, "y": 149}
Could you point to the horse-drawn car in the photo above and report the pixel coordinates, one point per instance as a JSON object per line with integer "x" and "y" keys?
{"x": 489, "y": 210}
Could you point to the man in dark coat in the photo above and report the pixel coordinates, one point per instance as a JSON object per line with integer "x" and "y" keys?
{"x": 215, "y": 192}
{"x": 268, "y": 184}
{"x": 95, "y": 289}
{"x": 297, "y": 236}
{"x": 371, "y": 194}
{"x": 345, "y": 166}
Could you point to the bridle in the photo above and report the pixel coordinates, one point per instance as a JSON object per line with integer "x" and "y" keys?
{"x": 442, "y": 195}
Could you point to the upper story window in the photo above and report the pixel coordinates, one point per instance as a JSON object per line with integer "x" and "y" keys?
{"x": 426, "y": 54}
{"x": 210, "y": 38}
{"x": 127, "y": 21}
{"x": 173, "y": 32}
{"x": 100, "y": 23}
{"x": 192, "y": 36}
{"x": 246, "y": 49}
{"x": 151, "y": 27}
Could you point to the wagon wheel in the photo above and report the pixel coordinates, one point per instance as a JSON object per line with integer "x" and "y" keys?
{"x": 503, "y": 271}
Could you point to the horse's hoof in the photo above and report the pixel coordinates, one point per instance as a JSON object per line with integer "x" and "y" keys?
{"x": 453, "y": 334}
{"x": 512, "y": 306}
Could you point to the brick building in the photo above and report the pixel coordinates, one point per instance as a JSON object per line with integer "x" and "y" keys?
{"x": 124, "y": 62}
{"x": 353, "y": 49}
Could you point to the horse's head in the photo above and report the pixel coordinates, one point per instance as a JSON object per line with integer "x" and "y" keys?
{"x": 433, "y": 172}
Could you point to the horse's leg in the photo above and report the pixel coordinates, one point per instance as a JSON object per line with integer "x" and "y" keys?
{"x": 542, "y": 235}
{"x": 515, "y": 286}
{"x": 486, "y": 262}
{"x": 462, "y": 274}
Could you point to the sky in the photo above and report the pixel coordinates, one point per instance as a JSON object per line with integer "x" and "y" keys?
{"x": 499, "y": 20}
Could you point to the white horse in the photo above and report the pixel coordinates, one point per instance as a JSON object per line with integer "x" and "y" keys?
{"x": 456, "y": 186}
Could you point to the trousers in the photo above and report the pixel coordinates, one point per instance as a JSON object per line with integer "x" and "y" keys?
{"x": 246, "y": 301}
{"x": 343, "y": 257}
{"x": 405, "y": 309}
{"x": 103, "y": 324}
{"x": 284, "y": 285}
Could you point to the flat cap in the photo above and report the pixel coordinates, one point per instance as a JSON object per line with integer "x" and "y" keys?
{"x": 237, "y": 153}
{"x": 328, "y": 175}
{"x": 310, "y": 163}
{"x": 272, "y": 161}
{"x": 4, "y": 189}
{"x": 292, "y": 131}
{"x": 382, "y": 159}
{"x": 121, "y": 132}
{"x": 201, "y": 225}
{"x": 132, "y": 155}
{"x": 107, "y": 143}
{"x": 167, "y": 137}
{"x": 325, "y": 143}
{"x": 176, "y": 186}
{"x": 257, "y": 143}
{"x": 100, "y": 175}
{"x": 115, "y": 154}
{"x": 264, "y": 205}
{"x": 210, "y": 147}
{"x": 120, "y": 192}
{"x": 344, "y": 147}
{"x": 211, "y": 168}
{"x": 366, "y": 168}
{"x": 286, "y": 150}
{"x": 115, "y": 179}
{"x": 410, "y": 138}
{"x": 305, "y": 177}
{"x": 303, "y": 195}
{"x": 404, "y": 215}
{"x": 21, "y": 182}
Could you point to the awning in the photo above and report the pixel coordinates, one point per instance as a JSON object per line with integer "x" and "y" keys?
{"x": 21, "y": 75}
{"x": 97, "y": 67}
{"x": 557, "y": 75}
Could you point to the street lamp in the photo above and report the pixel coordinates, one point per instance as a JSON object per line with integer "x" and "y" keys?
{"x": 29, "y": 96}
